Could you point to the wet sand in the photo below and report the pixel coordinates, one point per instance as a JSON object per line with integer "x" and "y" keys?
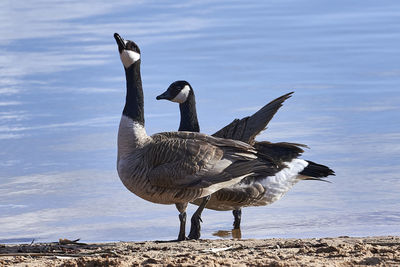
{"x": 341, "y": 251}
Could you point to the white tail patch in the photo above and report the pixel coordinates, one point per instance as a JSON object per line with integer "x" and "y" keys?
{"x": 128, "y": 57}
{"x": 277, "y": 185}
{"x": 182, "y": 96}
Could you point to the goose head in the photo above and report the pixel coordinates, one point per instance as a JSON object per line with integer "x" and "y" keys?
{"x": 129, "y": 52}
{"x": 177, "y": 92}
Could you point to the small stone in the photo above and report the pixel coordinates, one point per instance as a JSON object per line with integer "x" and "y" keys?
{"x": 371, "y": 261}
{"x": 151, "y": 261}
{"x": 329, "y": 249}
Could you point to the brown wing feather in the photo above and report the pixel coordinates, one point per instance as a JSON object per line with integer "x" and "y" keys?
{"x": 175, "y": 163}
{"x": 193, "y": 160}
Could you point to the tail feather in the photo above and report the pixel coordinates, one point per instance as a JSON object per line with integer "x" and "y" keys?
{"x": 315, "y": 171}
{"x": 249, "y": 127}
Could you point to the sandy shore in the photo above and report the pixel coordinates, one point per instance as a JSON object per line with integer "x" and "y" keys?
{"x": 341, "y": 251}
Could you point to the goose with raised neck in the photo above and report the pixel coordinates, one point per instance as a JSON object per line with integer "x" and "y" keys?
{"x": 176, "y": 167}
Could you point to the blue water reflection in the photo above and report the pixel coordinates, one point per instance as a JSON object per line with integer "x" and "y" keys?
{"x": 62, "y": 90}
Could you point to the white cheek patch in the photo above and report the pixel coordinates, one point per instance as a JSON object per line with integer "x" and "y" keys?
{"x": 182, "y": 96}
{"x": 129, "y": 57}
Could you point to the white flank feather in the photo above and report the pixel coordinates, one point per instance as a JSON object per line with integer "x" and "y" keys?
{"x": 215, "y": 187}
{"x": 283, "y": 181}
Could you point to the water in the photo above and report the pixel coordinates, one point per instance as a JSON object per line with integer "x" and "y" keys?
{"x": 62, "y": 90}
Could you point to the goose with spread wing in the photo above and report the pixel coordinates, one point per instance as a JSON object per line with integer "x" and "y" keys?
{"x": 253, "y": 190}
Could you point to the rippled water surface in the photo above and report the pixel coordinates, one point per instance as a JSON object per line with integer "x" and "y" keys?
{"x": 62, "y": 91}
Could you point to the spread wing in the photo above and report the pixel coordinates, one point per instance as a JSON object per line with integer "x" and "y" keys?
{"x": 249, "y": 127}
{"x": 193, "y": 160}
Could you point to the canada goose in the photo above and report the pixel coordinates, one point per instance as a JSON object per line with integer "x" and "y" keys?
{"x": 251, "y": 191}
{"x": 176, "y": 167}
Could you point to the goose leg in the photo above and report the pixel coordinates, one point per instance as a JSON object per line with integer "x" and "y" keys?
{"x": 238, "y": 216}
{"x": 182, "y": 218}
{"x": 196, "y": 219}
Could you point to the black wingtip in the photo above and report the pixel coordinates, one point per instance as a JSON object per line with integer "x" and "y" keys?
{"x": 280, "y": 152}
{"x": 286, "y": 96}
{"x": 289, "y": 94}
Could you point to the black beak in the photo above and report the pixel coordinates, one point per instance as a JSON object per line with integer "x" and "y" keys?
{"x": 165, "y": 95}
{"x": 120, "y": 42}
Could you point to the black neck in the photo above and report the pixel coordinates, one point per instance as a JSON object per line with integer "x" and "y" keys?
{"x": 189, "y": 120}
{"x": 134, "y": 94}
